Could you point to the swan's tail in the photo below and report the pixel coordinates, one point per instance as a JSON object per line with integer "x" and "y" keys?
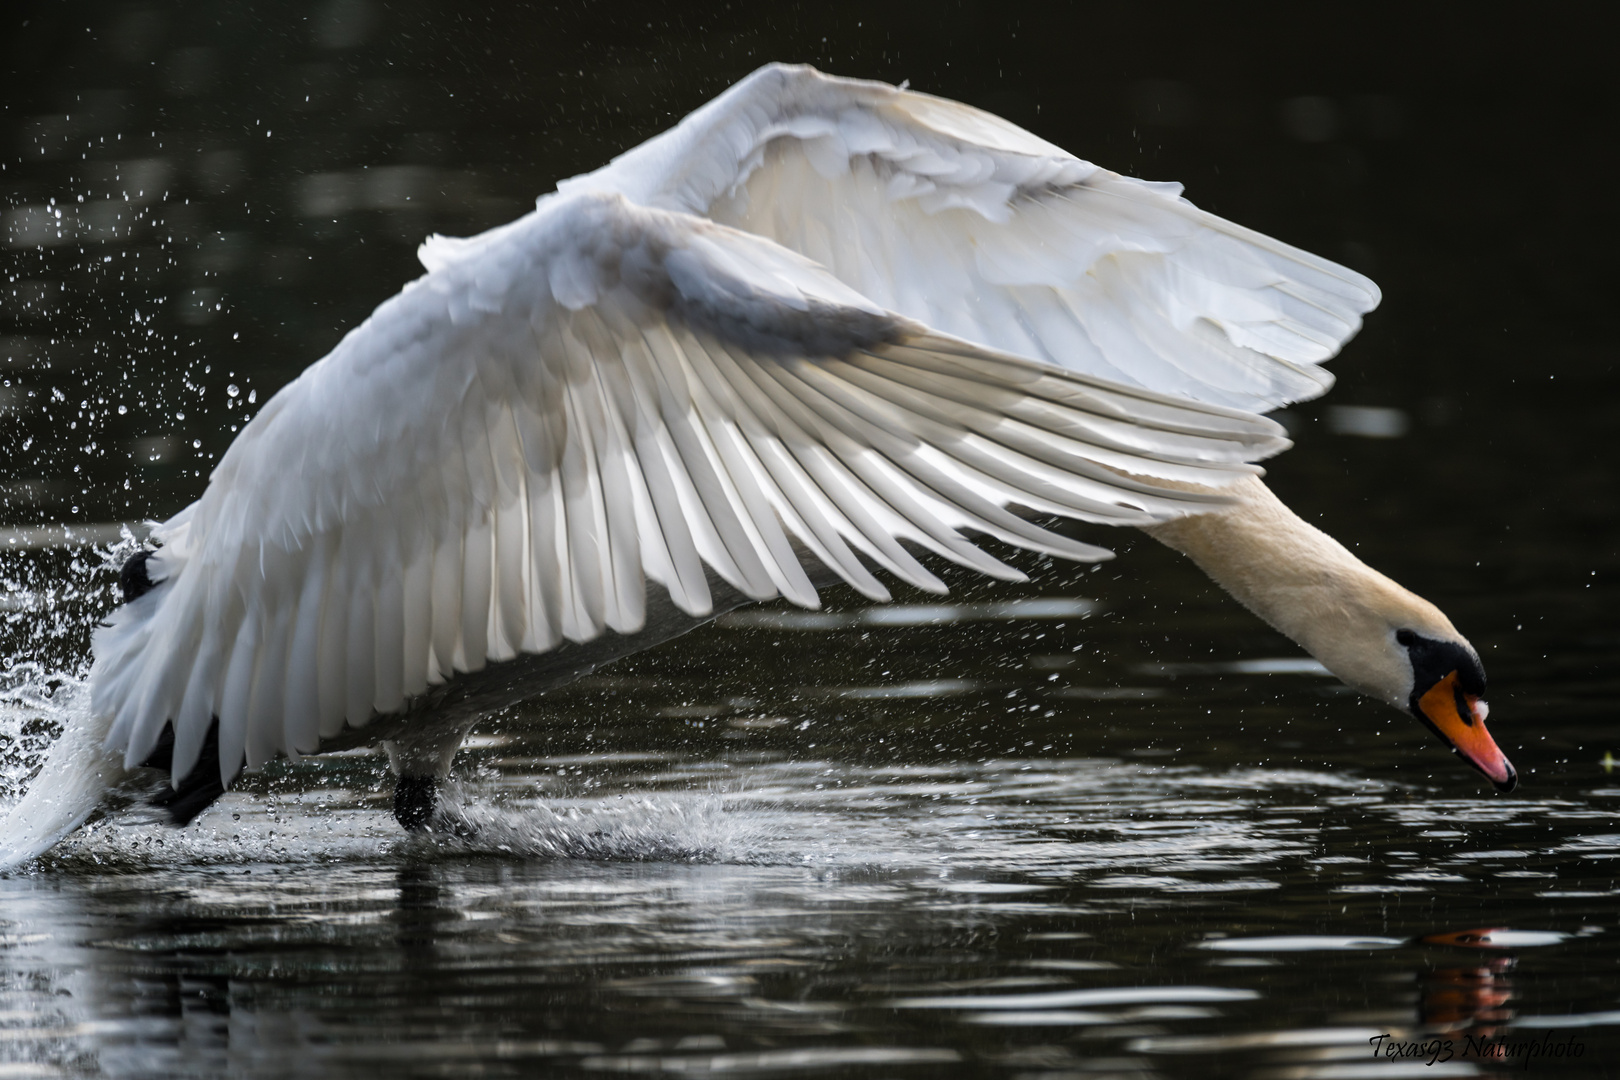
{"x": 77, "y": 777}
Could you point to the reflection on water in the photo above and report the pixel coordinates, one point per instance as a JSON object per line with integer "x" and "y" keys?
{"x": 1101, "y": 825}
{"x": 1458, "y": 998}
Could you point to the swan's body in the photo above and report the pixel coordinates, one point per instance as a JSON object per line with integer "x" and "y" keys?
{"x": 818, "y": 325}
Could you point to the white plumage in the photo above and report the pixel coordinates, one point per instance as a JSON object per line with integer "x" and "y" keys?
{"x": 978, "y": 228}
{"x": 815, "y": 321}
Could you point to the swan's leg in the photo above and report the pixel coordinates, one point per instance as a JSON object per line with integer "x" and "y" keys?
{"x": 419, "y": 761}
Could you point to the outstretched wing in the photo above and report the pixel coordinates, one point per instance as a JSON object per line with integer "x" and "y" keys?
{"x": 978, "y": 228}
{"x": 599, "y": 394}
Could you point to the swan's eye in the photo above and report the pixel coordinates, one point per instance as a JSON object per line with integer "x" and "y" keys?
{"x": 1433, "y": 659}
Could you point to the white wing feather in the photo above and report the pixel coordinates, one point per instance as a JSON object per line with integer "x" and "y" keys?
{"x": 978, "y": 228}
{"x": 596, "y": 395}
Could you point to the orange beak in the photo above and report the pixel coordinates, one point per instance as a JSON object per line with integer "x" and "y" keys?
{"x": 1459, "y": 719}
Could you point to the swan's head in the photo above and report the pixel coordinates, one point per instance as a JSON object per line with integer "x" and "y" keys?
{"x": 1395, "y": 646}
{"x": 1399, "y": 648}
{"x": 1448, "y": 695}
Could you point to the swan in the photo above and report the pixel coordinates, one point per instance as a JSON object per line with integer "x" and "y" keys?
{"x": 817, "y": 328}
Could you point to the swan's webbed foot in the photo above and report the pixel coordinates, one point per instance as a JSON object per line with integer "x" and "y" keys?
{"x": 418, "y": 809}
{"x": 419, "y": 762}
{"x": 200, "y": 787}
{"x": 415, "y": 799}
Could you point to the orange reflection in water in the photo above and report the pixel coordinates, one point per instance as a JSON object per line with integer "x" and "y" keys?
{"x": 1454, "y": 998}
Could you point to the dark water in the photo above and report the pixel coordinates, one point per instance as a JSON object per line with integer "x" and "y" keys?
{"x": 1113, "y": 829}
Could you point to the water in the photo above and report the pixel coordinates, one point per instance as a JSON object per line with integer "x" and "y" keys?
{"x": 1101, "y": 825}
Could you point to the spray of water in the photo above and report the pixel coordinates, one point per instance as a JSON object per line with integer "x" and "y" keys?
{"x": 671, "y": 828}
{"x": 50, "y": 600}
{"x": 35, "y": 704}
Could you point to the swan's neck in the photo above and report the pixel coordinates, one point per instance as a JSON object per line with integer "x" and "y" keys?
{"x": 1306, "y": 585}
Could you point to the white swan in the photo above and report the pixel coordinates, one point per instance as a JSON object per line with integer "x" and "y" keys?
{"x": 820, "y": 325}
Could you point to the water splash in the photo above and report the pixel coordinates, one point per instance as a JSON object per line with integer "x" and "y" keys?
{"x": 51, "y": 598}
{"x": 35, "y": 704}
{"x": 695, "y": 828}
{"x": 54, "y": 598}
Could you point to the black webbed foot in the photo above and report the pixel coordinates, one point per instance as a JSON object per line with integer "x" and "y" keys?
{"x": 199, "y": 788}
{"x": 414, "y": 800}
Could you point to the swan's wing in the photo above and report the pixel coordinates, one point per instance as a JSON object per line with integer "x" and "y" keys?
{"x": 498, "y": 458}
{"x": 978, "y": 228}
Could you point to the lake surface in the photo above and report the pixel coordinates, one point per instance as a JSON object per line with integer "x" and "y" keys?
{"x": 1103, "y": 824}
